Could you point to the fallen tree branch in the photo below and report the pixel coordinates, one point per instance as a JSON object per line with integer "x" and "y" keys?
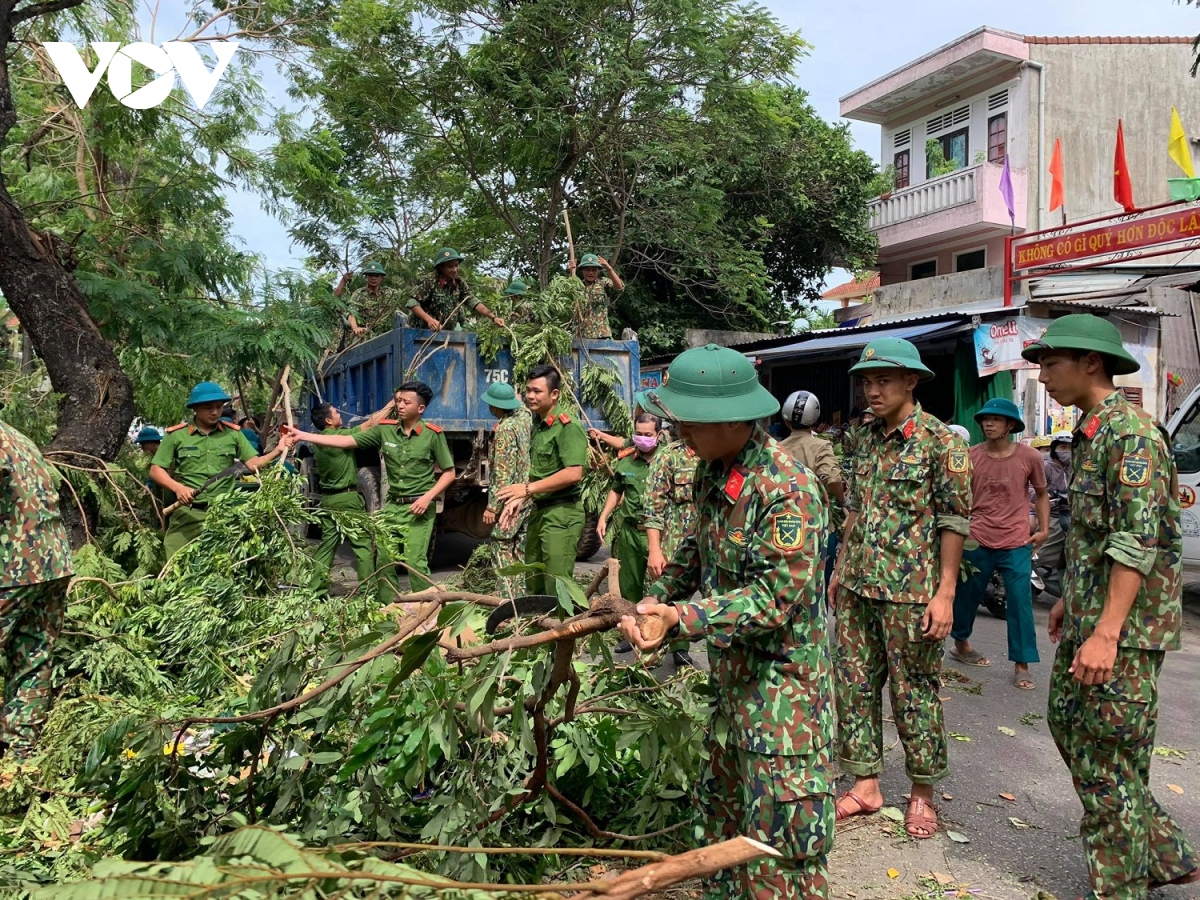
{"x": 698, "y": 863}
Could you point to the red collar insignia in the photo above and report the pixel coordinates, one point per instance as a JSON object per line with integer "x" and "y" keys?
{"x": 1092, "y": 426}
{"x": 549, "y": 420}
{"x": 734, "y": 484}
{"x": 909, "y": 427}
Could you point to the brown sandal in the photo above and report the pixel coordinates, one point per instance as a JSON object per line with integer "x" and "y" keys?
{"x": 920, "y": 821}
{"x": 863, "y": 809}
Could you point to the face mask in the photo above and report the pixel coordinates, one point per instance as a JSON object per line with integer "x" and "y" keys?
{"x": 1063, "y": 456}
{"x": 645, "y": 443}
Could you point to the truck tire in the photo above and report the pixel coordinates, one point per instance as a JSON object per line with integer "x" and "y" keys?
{"x": 589, "y": 541}
{"x": 368, "y": 486}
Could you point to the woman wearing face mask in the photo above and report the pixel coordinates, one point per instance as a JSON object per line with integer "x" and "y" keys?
{"x": 629, "y": 538}
{"x": 1058, "y": 476}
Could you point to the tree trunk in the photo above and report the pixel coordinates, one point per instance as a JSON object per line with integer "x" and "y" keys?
{"x": 97, "y": 403}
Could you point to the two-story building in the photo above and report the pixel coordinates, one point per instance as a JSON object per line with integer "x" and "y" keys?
{"x": 949, "y": 121}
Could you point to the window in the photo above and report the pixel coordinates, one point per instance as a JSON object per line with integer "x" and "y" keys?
{"x": 926, "y": 269}
{"x": 998, "y": 138}
{"x": 971, "y": 260}
{"x": 901, "y": 164}
{"x": 1185, "y": 443}
{"x": 954, "y": 150}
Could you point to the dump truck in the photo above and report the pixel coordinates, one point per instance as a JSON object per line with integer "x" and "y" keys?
{"x": 362, "y": 378}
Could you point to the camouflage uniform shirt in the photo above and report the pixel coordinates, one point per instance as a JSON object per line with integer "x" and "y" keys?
{"x": 374, "y": 312}
{"x": 670, "y": 505}
{"x": 906, "y": 487}
{"x": 508, "y": 463}
{"x": 1124, "y": 498}
{"x": 755, "y": 559}
{"x": 446, "y": 301}
{"x": 593, "y": 316}
{"x": 33, "y": 540}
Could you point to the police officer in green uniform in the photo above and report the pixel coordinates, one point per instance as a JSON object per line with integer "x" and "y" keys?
{"x": 558, "y": 454}
{"x": 626, "y": 498}
{"x": 1120, "y": 612}
{"x": 337, "y": 480}
{"x": 191, "y": 454}
{"x": 411, "y": 450}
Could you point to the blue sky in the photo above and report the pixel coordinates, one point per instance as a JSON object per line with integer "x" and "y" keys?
{"x": 854, "y": 42}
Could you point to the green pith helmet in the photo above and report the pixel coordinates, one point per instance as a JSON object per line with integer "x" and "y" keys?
{"x": 640, "y": 401}
{"x": 207, "y": 392}
{"x": 891, "y": 353}
{"x": 373, "y": 268}
{"x": 148, "y": 434}
{"x": 710, "y": 384}
{"x": 445, "y": 255}
{"x": 501, "y": 396}
{"x": 516, "y": 288}
{"x": 1085, "y": 332}
{"x": 589, "y": 261}
{"x": 998, "y": 406}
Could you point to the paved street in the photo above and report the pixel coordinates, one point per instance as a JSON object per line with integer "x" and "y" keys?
{"x": 1016, "y": 847}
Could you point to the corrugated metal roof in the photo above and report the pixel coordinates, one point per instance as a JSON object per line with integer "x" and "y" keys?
{"x": 850, "y": 338}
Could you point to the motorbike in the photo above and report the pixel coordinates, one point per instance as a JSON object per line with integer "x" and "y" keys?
{"x": 1049, "y": 563}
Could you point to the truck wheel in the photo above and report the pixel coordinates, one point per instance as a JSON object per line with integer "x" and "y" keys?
{"x": 589, "y": 541}
{"x": 368, "y": 486}
{"x": 994, "y": 598}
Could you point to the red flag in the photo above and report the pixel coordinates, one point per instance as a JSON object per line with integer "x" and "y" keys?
{"x": 1122, "y": 186}
{"x": 1056, "y": 176}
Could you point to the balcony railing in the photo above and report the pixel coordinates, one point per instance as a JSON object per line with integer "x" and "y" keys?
{"x": 956, "y": 189}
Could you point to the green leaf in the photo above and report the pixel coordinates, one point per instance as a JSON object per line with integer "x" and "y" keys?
{"x": 326, "y": 756}
{"x": 958, "y": 837}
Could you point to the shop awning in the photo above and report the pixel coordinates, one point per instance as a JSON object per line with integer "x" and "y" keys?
{"x": 853, "y": 340}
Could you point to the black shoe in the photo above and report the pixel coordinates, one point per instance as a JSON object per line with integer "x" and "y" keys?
{"x": 683, "y": 659}
{"x": 623, "y": 647}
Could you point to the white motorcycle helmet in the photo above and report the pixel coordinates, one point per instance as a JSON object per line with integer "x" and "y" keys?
{"x": 801, "y": 409}
{"x": 1062, "y": 437}
{"x": 961, "y": 432}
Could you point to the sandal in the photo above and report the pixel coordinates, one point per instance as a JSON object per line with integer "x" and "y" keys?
{"x": 1023, "y": 682}
{"x": 920, "y": 821}
{"x": 863, "y": 809}
{"x": 971, "y": 658}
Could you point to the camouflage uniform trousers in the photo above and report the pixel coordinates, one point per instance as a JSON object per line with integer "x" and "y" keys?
{"x": 1105, "y": 734}
{"x": 509, "y": 552}
{"x": 31, "y": 617}
{"x": 782, "y": 801}
{"x": 878, "y": 641}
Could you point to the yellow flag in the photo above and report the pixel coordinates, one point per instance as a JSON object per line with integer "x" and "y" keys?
{"x": 1178, "y": 146}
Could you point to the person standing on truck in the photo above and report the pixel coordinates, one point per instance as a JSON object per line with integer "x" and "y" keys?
{"x": 412, "y": 450}
{"x": 337, "y": 480}
{"x": 191, "y": 454}
{"x": 442, "y": 298}
{"x": 1120, "y": 612}
{"x": 628, "y": 494}
{"x": 557, "y": 456}
{"x": 750, "y": 582}
{"x": 508, "y": 463}
{"x": 33, "y": 589}
{"x": 894, "y": 581}
{"x": 371, "y": 307}
{"x": 593, "y": 317}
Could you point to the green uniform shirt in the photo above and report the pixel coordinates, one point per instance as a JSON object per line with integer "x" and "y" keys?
{"x": 630, "y": 483}
{"x": 755, "y": 558}
{"x": 192, "y": 457}
{"x": 1124, "y": 498}
{"x": 558, "y": 443}
{"x": 906, "y": 486}
{"x": 409, "y": 458}
{"x": 336, "y": 468}
{"x": 33, "y": 540}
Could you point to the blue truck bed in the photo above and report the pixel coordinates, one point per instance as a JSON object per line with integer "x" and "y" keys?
{"x": 362, "y": 378}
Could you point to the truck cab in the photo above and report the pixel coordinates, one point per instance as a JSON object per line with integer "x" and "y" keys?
{"x": 1184, "y": 429}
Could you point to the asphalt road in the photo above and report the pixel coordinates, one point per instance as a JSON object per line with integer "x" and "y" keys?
{"x": 1032, "y": 842}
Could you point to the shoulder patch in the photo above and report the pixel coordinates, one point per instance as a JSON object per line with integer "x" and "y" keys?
{"x": 628, "y": 451}
{"x": 787, "y": 531}
{"x": 436, "y": 429}
{"x": 1135, "y": 470}
{"x": 174, "y": 428}
{"x": 957, "y": 461}
{"x": 564, "y": 418}
{"x": 230, "y": 425}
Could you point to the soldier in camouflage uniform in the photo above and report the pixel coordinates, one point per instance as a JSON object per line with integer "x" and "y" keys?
{"x": 371, "y": 307}
{"x": 593, "y": 317}
{"x": 894, "y": 583}
{"x": 1119, "y": 614}
{"x": 442, "y": 299}
{"x": 670, "y": 517}
{"x": 33, "y": 589}
{"x": 508, "y": 463}
{"x": 755, "y": 560}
